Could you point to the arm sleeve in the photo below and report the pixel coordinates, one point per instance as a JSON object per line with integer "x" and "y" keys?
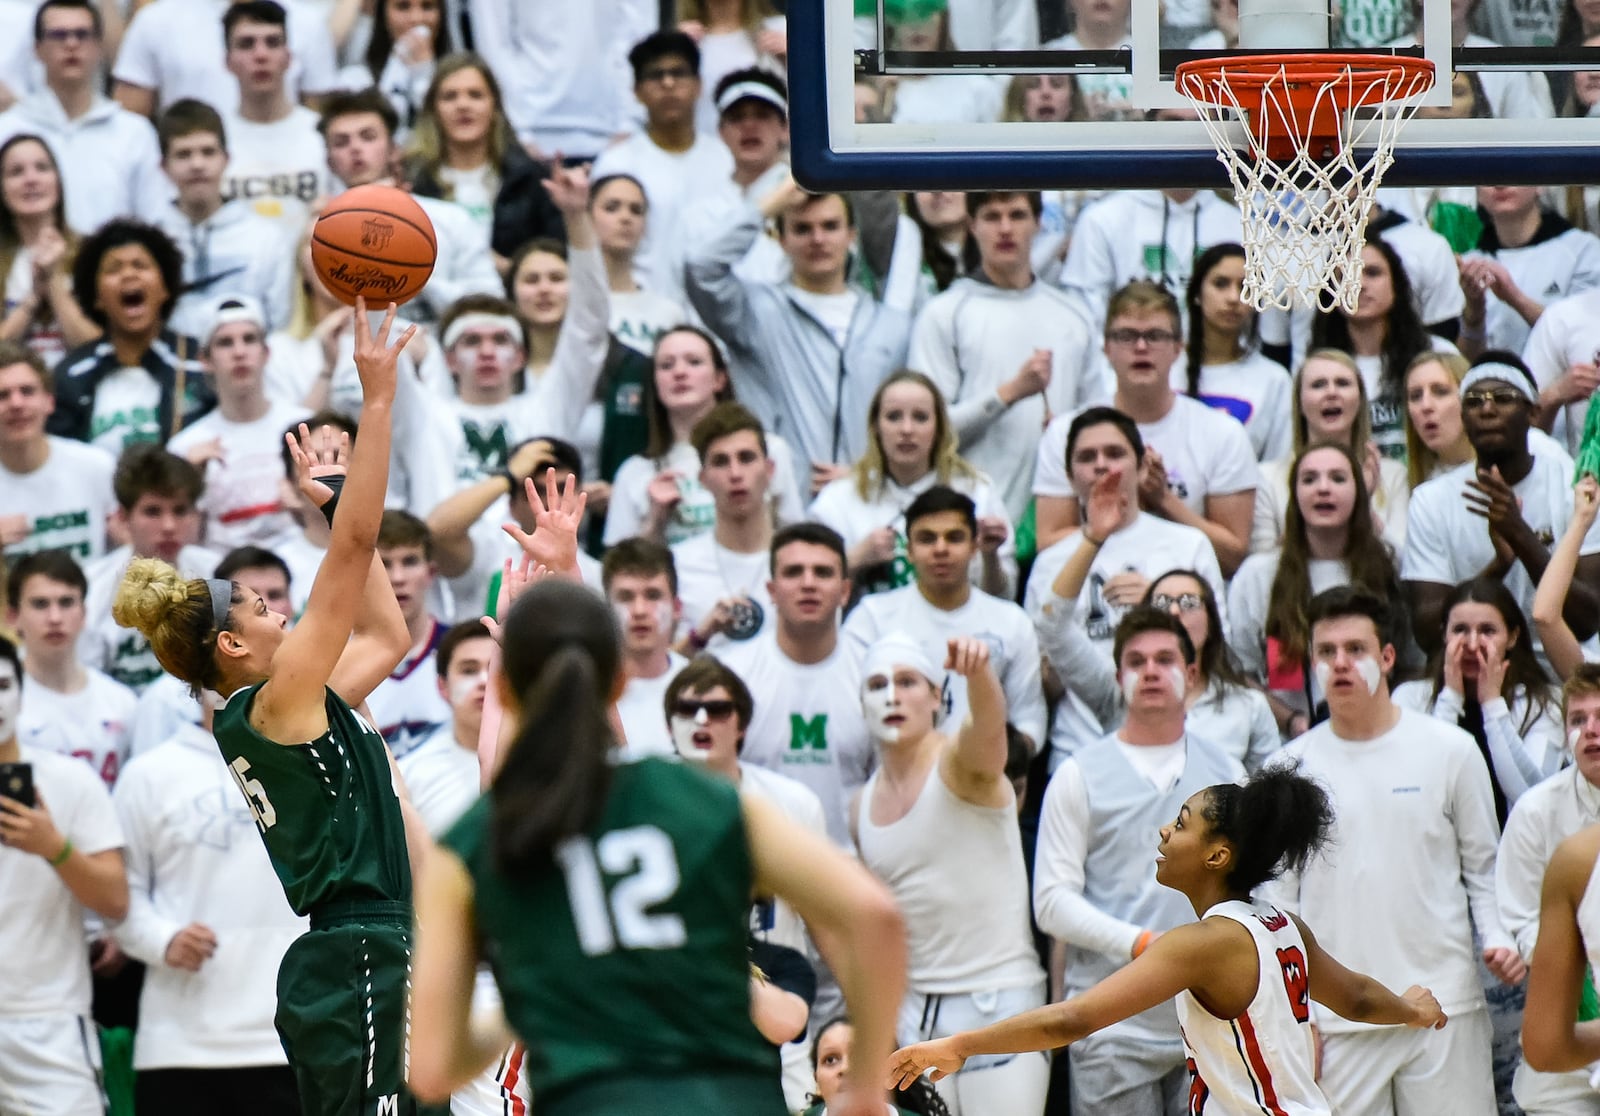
{"x": 1521, "y": 761}
{"x": 903, "y": 281}
{"x": 1542, "y": 351}
{"x": 1426, "y": 553}
{"x": 1050, "y": 462}
{"x": 566, "y": 389}
{"x": 718, "y": 295}
{"x": 626, "y": 513}
{"x": 1059, "y": 906}
{"x": 1234, "y": 465}
{"x": 1022, "y": 684}
{"x": 138, "y": 62}
{"x": 471, "y": 266}
{"x": 933, "y": 353}
{"x": 1264, "y": 737}
{"x": 1519, "y": 875}
{"x": 144, "y": 934}
{"x": 1090, "y": 267}
{"x": 1247, "y": 621}
{"x": 1082, "y": 667}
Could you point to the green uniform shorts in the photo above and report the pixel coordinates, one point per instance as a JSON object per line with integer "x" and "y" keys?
{"x": 342, "y": 992}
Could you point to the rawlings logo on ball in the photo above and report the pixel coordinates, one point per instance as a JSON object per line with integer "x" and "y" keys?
{"x": 376, "y": 234}
{"x": 366, "y": 280}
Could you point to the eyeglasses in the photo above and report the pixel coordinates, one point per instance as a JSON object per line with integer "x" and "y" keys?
{"x": 68, "y": 35}
{"x": 1151, "y": 337}
{"x": 719, "y": 710}
{"x": 1505, "y": 397}
{"x": 667, "y": 73}
{"x": 1186, "y": 602}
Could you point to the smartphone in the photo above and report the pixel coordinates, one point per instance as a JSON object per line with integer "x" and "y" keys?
{"x": 16, "y": 783}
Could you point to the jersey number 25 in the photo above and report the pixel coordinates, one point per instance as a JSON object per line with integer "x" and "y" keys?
{"x": 644, "y": 869}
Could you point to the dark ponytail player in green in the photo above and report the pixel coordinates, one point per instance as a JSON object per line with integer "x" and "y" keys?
{"x": 612, "y": 902}
{"x": 317, "y": 777}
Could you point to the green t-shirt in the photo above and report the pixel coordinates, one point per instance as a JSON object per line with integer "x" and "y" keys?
{"x": 628, "y": 956}
{"x": 327, "y": 809}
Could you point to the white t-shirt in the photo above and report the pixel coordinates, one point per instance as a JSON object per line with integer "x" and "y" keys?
{"x": 708, "y": 572}
{"x": 474, "y": 191}
{"x": 1446, "y": 543}
{"x": 126, "y": 410}
{"x": 1547, "y": 271}
{"x": 1205, "y": 451}
{"x": 1389, "y": 414}
{"x": 278, "y": 168}
{"x": 68, "y": 500}
{"x": 807, "y": 723}
{"x": 1567, "y": 333}
{"x": 644, "y": 717}
{"x": 175, "y": 48}
{"x": 1254, "y": 390}
{"x": 92, "y": 724}
{"x": 833, "y": 311}
{"x": 639, "y": 317}
{"x": 442, "y": 778}
{"x": 44, "y": 963}
{"x": 242, "y": 500}
{"x": 407, "y": 706}
{"x": 696, "y": 510}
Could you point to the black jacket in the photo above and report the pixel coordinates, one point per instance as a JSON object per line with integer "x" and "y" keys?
{"x": 523, "y": 210}
{"x": 79, "y": 373}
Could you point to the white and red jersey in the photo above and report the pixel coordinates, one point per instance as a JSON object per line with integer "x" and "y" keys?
{"x": 1261, "y": 1063}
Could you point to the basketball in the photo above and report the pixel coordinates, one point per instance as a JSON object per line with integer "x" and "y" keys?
{"x": 374, "y": 242}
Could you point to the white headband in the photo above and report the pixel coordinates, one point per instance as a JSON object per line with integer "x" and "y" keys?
{"x": 1511, "y": 376}
{"x": 235, "y": 308}
{"x": 900, "y": 651}
{"x": 751, "y": 90}
{"x": 477, "y": 320}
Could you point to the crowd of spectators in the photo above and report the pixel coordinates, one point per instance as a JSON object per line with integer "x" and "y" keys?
{"x": 824, "y": 437}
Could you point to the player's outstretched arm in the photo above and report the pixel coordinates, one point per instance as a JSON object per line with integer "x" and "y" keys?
{"x": 1551, "y": 1041}
{"x": 857, "y": 928}
{"x": 449, "y": 1045}
{"x": 1358, "y": 997}
{"x": 289, "y": 707}
{"x": 1177, "y": 960}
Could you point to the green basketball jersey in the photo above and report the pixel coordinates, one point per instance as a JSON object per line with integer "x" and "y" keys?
{"x": 629, "y": 954}
{"x": 327, "y": 810}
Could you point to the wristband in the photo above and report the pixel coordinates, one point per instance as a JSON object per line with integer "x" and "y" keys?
{"x": 512, "y": 484}
{"x": 61, "y": 857}
{"x": 1142, "y": 942}
{"x": 336, "y": 485}
{"x": 696, "y": 640}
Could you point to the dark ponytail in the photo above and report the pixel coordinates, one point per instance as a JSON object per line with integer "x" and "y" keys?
{"x": 1275, "y": 822}
{"x": 560, "y": 654}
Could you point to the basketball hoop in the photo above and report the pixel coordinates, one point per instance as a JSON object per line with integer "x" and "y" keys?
{"x": 1320, "y": 132}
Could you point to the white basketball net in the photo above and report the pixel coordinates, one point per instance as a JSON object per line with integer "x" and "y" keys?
{"x": 1305, "y": 220}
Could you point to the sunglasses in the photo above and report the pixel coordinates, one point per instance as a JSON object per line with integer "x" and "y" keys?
{"x": 1186, "y": 602}
{"x": 719, "y": 710}
{"x": 1502, "y": 399}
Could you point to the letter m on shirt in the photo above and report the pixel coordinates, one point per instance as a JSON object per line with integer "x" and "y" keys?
{"x": 389, "y": 1105}
{"x": 808, "y": 733}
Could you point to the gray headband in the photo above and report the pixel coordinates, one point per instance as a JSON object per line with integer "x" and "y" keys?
{"x": 221, "y": 601}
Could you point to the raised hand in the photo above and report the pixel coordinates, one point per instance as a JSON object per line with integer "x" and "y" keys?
{"x": 1585, "y": 502}
{"x": 1106, "y": 507}
{"x": 568, "y": 187}
{"x": 991, "y": 533}
{"x": 1153, "y": 486}
{"x": 1455, "y": 653}
{"x": 514, "y": 581}
{"x": 966, "y": 656}
{"x": 315, "y": 456}
{"x": 1489, "y": 496}
{"x": 910, "y": 1062}
{"x": 30, "y": 829}
{"x": 377, "y": 359}
{"x": 556, "y": 518}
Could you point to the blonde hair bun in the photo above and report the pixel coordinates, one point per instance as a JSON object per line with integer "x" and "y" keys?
{"x": 150, "y": 589}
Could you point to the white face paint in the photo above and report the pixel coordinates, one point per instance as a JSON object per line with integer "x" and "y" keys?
{"x": 665, "y": 621}
{"x": 1180, "y": 681}
{"x": 878, "y": 705}
{"x": 10, "y": 706}
{"x": 1573, "y": 736}
{"x": 1176, "y": 674}
{"x": 1366, "y": 667}
{"x": 462, "y": 686}
{"x": 683, "y": 730}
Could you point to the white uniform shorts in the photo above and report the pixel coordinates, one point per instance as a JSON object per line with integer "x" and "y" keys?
{"x": 1402, "y": 1071}
{"x": 990, "y": 1084}
{"x": 50, "y": 1066}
